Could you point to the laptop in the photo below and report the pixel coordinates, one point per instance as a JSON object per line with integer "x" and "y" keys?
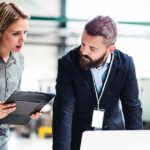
{"x": 115, "y": 140}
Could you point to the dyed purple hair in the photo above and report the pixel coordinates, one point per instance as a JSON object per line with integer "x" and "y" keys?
{"x": 103, "y": 26}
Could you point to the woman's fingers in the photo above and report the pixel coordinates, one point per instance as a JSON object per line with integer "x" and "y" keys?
{"x": 6, "y": 109}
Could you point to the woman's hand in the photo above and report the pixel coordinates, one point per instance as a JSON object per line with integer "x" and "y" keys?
{"x": 6, "y": 109}
{"x": 36, "y": 115}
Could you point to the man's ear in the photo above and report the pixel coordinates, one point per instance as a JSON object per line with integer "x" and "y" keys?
{"x": 112, "y": 48}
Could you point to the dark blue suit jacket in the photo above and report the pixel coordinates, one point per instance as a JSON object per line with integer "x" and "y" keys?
{"x": 75, "y": 100}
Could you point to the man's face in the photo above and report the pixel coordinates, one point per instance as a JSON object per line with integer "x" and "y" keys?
{"x": 93, "y": 51}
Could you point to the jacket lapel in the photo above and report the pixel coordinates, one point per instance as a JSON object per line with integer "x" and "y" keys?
{"x": 112, "y": 72}
{"x": 103, "y": 101}
{"x": 88, "y": 77}
{"x": 86, "y": 74}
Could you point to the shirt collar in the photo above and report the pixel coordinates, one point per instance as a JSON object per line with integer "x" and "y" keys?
{"x": 108, "y": 59}
{"x": 106, "y": 62}
{"x": 12, "y": 57}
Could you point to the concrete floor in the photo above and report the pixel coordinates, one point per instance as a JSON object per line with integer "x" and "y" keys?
{"x": 33, "y": 143}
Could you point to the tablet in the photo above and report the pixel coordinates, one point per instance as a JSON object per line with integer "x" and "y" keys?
{"x": 27, "y": 102}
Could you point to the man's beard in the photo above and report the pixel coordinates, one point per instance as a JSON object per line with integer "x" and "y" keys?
{"x": 87, "y": 63}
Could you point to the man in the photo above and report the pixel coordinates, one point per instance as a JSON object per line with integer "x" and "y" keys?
{"x": 91, "y": 81}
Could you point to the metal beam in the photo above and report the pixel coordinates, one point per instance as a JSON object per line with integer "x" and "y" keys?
{"x": 65, "y": 20}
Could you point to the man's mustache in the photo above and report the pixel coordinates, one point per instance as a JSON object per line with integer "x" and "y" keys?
{"x": 84, "y": 56}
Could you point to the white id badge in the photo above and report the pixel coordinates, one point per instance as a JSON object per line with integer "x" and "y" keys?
{"x": 97, "y": 120}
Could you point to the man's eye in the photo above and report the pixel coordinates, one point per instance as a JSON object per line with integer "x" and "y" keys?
{"x": 82, "y": 44}
{"x": 93, "y": 49}
{"x": 25, "y": 32}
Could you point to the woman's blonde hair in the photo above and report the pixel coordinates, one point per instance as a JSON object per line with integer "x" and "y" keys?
{"x": 10, "y": 13}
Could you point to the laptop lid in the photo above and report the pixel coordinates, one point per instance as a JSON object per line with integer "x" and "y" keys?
{"x": 115, "y": 140}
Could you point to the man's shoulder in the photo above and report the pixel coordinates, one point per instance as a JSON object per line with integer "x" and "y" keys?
{"x": 121, "y": 56}
{"x": 71, "y": 56}
{"x": 120, "y": 53}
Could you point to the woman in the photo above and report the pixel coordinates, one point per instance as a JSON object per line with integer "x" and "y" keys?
{"x": 13, "y": 30}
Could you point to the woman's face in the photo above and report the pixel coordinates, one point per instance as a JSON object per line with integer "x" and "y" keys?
{"x": 13, "y": 38}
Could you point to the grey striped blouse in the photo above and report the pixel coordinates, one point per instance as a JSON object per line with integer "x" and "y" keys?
{"x": 10, "y": 78}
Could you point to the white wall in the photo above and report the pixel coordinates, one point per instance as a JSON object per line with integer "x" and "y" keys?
{"x": 38, "y": 7}
{"x": 40, "y": 67}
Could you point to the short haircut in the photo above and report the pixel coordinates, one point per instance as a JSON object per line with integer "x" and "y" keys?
{"x": 103, "y": 26}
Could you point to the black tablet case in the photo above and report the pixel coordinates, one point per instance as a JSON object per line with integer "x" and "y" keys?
{"x": 26, "y": 104}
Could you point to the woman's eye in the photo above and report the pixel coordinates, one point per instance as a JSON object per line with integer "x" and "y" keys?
{"x": 16, "y": 33}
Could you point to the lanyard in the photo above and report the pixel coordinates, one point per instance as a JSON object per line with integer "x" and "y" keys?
{"x": 103, "y": 87}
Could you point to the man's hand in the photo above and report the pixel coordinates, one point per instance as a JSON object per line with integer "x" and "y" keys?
{"x": 6, "y": 109}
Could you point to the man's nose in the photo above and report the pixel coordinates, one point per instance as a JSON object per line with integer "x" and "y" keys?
{"x": 84, "y": 50}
